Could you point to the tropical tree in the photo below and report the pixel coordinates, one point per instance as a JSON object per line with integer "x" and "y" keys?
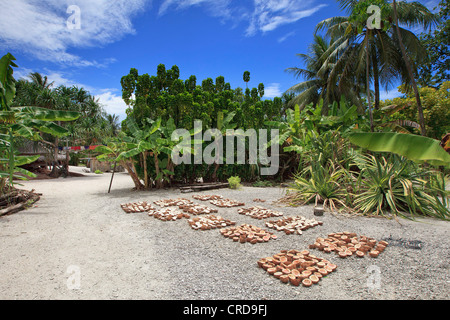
{"x": 436, "y": 69}
{"x": 246, "y": 77}
{"x": 375, "y": 52}
{"x": 24, "y": 121}
{"x": 318, "y": 66}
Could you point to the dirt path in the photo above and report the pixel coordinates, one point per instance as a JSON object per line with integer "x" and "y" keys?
{"x": 77, "y": 243}
{"x": 72, "y": 246}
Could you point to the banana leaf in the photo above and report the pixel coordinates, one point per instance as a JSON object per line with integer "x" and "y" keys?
{"x": 46, "y": 114}
{"x": 413, "y": 147}
{"x": 7, "y": 82}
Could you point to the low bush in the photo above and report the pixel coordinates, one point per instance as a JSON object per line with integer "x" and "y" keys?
{"x": 235, "y": 182}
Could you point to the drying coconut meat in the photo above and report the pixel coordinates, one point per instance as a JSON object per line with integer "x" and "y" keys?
{"x": 259, "y": 200}
{"x": 197, "y": 209}
{"x": 209, "y": 222}
{"x": 346, "y": 244}
{"x": 297, "y": 267}
{"x": 248, "y": 233}
{"x": 226, "y": 203}
{"x": 290, "y": 225}
{"x": 259, "y": 212}
{"x": 168, "y": 214}
{"x": 132, "y": 207}
{"x": 206, "y": 197}
{"x": 172, "y": 202}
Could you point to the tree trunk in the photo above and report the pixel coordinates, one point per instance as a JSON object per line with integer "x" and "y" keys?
{"x": 368, "y": 85}
{"x": 133, "y": 174}
{"x": 411, "y": 74}
{"x": 144, "y": 155}
{"x": 376, "y": 82}
{"x": 158, "y": 181}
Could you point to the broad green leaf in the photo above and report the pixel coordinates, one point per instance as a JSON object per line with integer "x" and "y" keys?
{"x": 22, "y": 160}
{"x": 7, "y": 81}
{"x": 47, "y": 114}
{"x": 47, "y": 127}
{"x": 104, "y": 150}
{"x": 25, "y": 131}
{"x": 416, "y": 148}
{"x": 128, "y": 154}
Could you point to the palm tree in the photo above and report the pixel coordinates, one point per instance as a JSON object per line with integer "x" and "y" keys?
{"x": 113, "y": 121}
{"x": 39, "y": 80}
{"x": 376, "y": 53}
{"x": 246, "y": 77}
{"x": 318, "y": 66}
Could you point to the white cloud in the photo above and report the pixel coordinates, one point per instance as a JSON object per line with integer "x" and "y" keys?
{"x": 389, "y": 95}
{"x": 216, "y": 8}
{"x": 113, "y": 104}
{"x": 40, "y": 27}
{"x": 270, "y": 14}
{"x": 262, "y": 16}
{"x": 286, "y": 36}
{"x": 272, "y": 90}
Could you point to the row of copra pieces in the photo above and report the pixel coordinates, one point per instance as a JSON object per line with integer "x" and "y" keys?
{"x": 301, "y": 267}
{"x": 169, "y": 212}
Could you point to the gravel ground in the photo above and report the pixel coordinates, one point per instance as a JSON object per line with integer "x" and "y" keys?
{"x": 77, "y": 243}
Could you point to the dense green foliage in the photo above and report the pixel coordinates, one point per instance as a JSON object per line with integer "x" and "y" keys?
{"x": 436, "y": 69}
{"x": 436, "y": 105}
{"x": 166, "y": 96}
{"x": 93, "y": 126}
{"x": 22, "y": 122}
{"x": 342, "y": 151}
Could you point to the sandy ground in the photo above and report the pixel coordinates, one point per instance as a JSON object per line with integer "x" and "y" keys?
{"x": 77, "y": 243}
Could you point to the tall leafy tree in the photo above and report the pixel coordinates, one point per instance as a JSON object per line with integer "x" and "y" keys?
{"x": 436, "y": 69}
{"x": 359, "y": 47}
{"x": 246, "y": 77}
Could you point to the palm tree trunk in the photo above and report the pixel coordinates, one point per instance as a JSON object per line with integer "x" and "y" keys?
{"x": 376, "y": 82}
{"x": 368, "y": 85}
{"x": 411, "y": 74}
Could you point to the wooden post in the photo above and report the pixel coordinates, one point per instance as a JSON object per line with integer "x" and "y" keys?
{"x": 112, "y": 177}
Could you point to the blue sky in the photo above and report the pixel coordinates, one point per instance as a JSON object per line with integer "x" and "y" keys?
{"x": 205, "y": 38}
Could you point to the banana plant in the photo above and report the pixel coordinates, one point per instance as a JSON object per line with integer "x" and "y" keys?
{"x": 417, "y": 148}
{"x": 148, "y": 142}
{"x": 24, "y": 122}
{"x": 111, "y": 153}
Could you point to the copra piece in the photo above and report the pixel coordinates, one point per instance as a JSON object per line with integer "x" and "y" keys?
{"x": 293, "y": 225}
{"x": 346, "y": 244}
{"x": 297, "y": 267}
{"x": 196, "y": 209}
{"x": 172, "y": 202}
{"x": 169, "y": 214}
{"x": 209, "y": 222}
{"x": 134, "y": 207}
{"x": 226, "y": 203}
{"x": 248, "y": 233}
{"x": 206, "y": 197}
{"x": 258, "y": 212}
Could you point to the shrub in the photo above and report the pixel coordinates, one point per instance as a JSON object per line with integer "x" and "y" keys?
{"x": 235, "y": 182}
{"x": 400, "y": 186}
{"x": 98, "y": 172}
{"x": 263, "y": 184}
{"x": 320, "y": 184}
